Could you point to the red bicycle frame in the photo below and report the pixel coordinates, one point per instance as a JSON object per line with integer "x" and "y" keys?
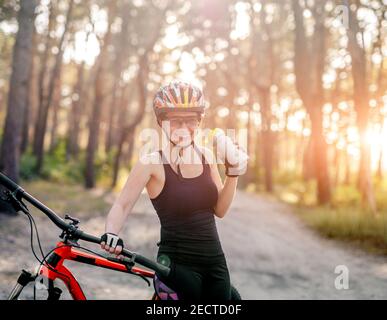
{"x": 62, "y": 252}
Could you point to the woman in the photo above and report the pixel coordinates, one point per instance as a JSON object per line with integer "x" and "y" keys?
{"x": 186, "y": 196}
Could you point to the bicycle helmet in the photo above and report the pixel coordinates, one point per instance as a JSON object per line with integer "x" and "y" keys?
{"x": 178, "y": 96}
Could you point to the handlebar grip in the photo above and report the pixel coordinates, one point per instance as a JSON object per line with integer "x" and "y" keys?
{"x": 8, "y": 183}
{"x": 157, "y": 267}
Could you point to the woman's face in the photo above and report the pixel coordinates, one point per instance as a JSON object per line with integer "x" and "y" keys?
{"x": 182, "y": 127}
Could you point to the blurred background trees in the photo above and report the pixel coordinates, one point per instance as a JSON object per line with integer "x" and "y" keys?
{"x": 306, "y": 78}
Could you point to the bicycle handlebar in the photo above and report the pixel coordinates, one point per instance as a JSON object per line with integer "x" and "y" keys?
{"x": 79, "y": 234}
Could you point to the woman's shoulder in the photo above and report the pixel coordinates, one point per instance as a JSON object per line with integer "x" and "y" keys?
{"x": 150, "y": 158}
{"x": 149, "y": 162}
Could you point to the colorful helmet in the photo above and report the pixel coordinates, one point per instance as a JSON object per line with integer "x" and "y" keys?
{"x": 178, "y": 96}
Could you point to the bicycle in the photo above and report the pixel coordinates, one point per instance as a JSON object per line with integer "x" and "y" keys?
{"x": 51, "y": 266}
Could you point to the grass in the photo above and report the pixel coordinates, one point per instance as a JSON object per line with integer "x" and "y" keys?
{"x": 68, "y": 198}
{"x": 345, "y": 219}
{"x": 351, "y": 225}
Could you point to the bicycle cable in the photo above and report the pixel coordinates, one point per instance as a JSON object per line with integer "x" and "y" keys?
{"x": 44, "y": 257}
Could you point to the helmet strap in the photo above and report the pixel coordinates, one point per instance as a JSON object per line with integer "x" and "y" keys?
{"x": 180, "y": 148}
{"x": 179, "y": 158}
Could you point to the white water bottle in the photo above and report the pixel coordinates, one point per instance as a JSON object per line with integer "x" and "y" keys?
{"x": 228, "y": 152}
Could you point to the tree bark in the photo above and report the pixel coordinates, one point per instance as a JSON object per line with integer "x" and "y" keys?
{"x": 123, "y": 48}
{"x": 99, "y": 99}
{"x": 309, "y": 66}
{"x": 361, "y": 98}
{"x": 18, "y": 91}
{"x": 127, "y": 130}
{"x": 55, "y": 110}
{"x": 261, "y": 77}
{"x": 41, "y": 125}
{"x": 30, "y": 97}
{"x": 267, "y": 139}
{"x": 74, "y": 116}
{"x": 43, "y": 78}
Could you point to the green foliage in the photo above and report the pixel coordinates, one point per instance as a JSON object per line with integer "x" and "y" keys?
{"x": 8, "y": 10}
{"x": 344, "y": 219}
{"x": 57, "y": 168}
{"x": 291, "y": 188}
{"x": 69, "y": 198}
{"x": 346, "y": 196}
{"x": 350, "y": 224}
{"x": 380, "y": 194}
{"x": 103, "y": 165}
{"x": 27, "y": 166}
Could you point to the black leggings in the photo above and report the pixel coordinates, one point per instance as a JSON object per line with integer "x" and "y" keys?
{"x": 199, "y": 282}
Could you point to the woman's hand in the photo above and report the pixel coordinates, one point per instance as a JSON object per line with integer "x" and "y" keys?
{"x": 112, "y": 243}
{"x": 237, "y": 169}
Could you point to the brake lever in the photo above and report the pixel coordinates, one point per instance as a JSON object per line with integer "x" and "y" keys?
{"x": 16, "y": 203}
{"x": 141, "y": 276}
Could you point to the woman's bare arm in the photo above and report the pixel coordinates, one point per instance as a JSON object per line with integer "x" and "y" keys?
{"x": 137, "y": 180}
{"x": 226, "y": 191}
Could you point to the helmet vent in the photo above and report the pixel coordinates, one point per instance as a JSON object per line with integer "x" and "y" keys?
{"x": 190, "y": 91}
{"x": 182, "y": 95}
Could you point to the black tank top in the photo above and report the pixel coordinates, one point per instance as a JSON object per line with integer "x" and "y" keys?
{"x": 185, "y": 207}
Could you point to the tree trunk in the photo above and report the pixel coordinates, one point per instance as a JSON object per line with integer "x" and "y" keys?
{"x": 380, "y": 164}
{"x": 30, "y": 97}
{"x": 261, "y": 77}
{"x": 309, "y": 66}
{"x": 337, "y": 164}
{"x": 267, "y": 139}
{"x": 99, "y": 99}
{"x": 74, "y": 116}
{"x": 320, "y": 158}
{"x": 257, "y": 163}
{"x": 93, "y": 140}
{"x": 43, "y": 78}
{"x": 127, "y": 130}
{"x": 308, "y": 167}
{"x": 56, "y": 106}
{"x": 41, "y": 126}
{"x": 18, "y": 91}
{"x": 123, "y": 51}
{"x": 359, "y": 74}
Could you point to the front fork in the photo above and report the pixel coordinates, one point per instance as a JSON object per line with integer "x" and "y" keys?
{"x": 25, "y": 278}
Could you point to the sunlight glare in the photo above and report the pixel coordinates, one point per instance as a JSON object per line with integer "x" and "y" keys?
{"x": 83, "y": 49}
{"x": 242, "y": 22}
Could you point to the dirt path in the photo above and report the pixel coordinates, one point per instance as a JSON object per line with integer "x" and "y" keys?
{"x": 270, "y": 253}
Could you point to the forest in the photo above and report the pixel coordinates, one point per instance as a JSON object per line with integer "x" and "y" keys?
{"x": 307, "y": 79}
